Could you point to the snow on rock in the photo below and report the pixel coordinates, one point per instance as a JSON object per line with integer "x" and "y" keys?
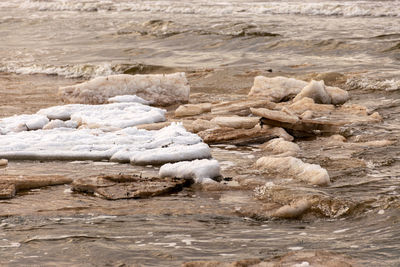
{"x": 281, "y": 88}
{"x": 276, "y": 88}
{"x": 159, "y": 89}
{"x": 199, "y": 170}
{"x": 169, "y": 144}
{"x": 310, "y": 173}
{"x": 23, "y": 122}
{"x": 119, "y": 115}
{"x": 128, "y": 99}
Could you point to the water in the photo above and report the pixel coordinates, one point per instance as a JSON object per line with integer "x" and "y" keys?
{"x": 55, "y": 43}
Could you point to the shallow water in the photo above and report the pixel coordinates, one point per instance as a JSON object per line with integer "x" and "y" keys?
{"x": 222, "y": 45}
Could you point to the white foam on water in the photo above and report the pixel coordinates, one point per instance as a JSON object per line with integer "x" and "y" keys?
{"x": 197, "y": 169}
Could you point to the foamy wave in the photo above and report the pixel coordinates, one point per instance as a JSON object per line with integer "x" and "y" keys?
{"x": 373, "y": 84}
{"x": 69, "y": 71}
{"x": 336, "y": 8}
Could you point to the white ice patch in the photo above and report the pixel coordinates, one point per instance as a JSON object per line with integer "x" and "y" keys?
{"x": 119, "y": 115}
{"x": 199, "y": 170}
{"x": 128, "y": 99}
{"x": 169, "y": 144}
{"x": 23, "y": 122}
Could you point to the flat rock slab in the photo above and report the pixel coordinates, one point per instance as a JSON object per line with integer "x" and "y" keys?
{"x": 129, "y": 186}
{"x": 10, "y": 185}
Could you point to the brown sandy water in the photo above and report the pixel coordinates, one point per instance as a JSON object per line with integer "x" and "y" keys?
{"x": 52, "y": 226}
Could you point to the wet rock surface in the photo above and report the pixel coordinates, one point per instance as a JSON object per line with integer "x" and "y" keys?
{"x": 129, "y": 186}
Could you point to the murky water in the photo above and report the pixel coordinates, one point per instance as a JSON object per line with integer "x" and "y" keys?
{"x": 225, "y": 44}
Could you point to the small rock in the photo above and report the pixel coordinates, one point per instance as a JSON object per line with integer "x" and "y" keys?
{"x": 3, "y": 162}
{"x": 192, "y": 109}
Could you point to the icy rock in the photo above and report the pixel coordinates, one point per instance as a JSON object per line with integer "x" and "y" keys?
{"x": 128, "y": 99}
{"x": 129, "y": 186}
{"x": 197, "y": 170}
{"x": 159, "y": 89}
{"x": 281, "y": 88}
{"x": 192, "y": 109}
{"x": 236, "y": 122}
{"x": 316, "y": 91}
{"x": 241, "y": 107}
{"x": 202, "y": 125}
{"x": 310, "y": 173}
{"x": 282, "y": 147}
{"x": 293, "y": 210}
{"x": 308, "y": 104}
{"x": 3, "y": 162}
{"x": 276, "y": 88}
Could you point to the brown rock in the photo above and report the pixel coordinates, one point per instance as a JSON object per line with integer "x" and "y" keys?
{"x": 129, "y": 186}
{"x": 3, "y": 162}
{"x": 241, "y": 107}
{"x": 192, "y": 109}
{"x": 7, "y": 190}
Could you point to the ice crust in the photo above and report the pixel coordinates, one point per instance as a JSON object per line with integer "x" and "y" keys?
{"x": 159, "y": 89}
{"x": 310, "y": 173}
{"x": 170, "y": 144}
{"x": 199, "y": 170}
{"x": 128, "y": 99}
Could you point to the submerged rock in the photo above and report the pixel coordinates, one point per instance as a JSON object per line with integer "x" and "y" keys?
{"x": 159, "y": 89}
{"x": 129, "y": 186}
{"x": 318, "y": 258}
{"x": 294, "y": 167}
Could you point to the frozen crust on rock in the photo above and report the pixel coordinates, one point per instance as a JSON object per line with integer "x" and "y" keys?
{"x": 290, "y": 166}
{"x": 128, "y": 99}
{"x": 198, "y": 170}
{"x": 159, "y": 89}
{"x": 280, "y": 88}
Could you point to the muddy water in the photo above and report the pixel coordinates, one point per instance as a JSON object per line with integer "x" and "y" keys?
{"x": 53, "y": 226}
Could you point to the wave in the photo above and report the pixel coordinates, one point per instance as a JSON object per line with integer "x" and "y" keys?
{"x": 365, "y": 83}
{"x": 324, "y": 8}
{"x": 86, "y": 71}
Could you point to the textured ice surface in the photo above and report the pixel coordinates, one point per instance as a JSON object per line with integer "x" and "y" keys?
{"x": 169, "y": 144}
{"x": 197, "y": 169}
{"x": 128, "y": 98}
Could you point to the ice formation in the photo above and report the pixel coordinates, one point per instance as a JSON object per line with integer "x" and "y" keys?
{"x": 119, "y": 115}
{"x": 169, "y": 144}
{"x": 128, "y": 99}
{"x": 281, "y": 146}
{"x": 197, "y": 169}
{"x": 159, "y": 89}
{"x": 281, "y": 88}
{"x": 290, "y": 166}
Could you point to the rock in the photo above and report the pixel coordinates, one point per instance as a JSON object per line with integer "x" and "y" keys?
{"x": 307, "y": 115}
{"x": 129, "y": 186}
{"x": 256, "y": 135}
{"x": 3, "y": 162}
{"x": 308, "y": 104}
{"x": 159, "y": 89}
{"x": 10, "y": 185}
{"x": 202, "y": 125}
{"x": 294, "y": 167}
{"x": 338, "y": 96}
{"x": 240, "y": 107}
{"x": 199, "y": 170}
{"x": 293, "y": 210}
{"x": 236, "y": 122}
{"x": 318, "y": 258}
{"x": 7, "y": 190}
{"x": 154, "y": 126}
{"x": 281, "y": 146}
{"x": 276, "y": 89}
{"x": 316, "y": 91}
{"x": 275, "y": 115}
{"x": 192, "y": 109}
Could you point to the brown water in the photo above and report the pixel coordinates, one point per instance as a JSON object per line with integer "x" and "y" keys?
{"x": 222, "y": 48}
